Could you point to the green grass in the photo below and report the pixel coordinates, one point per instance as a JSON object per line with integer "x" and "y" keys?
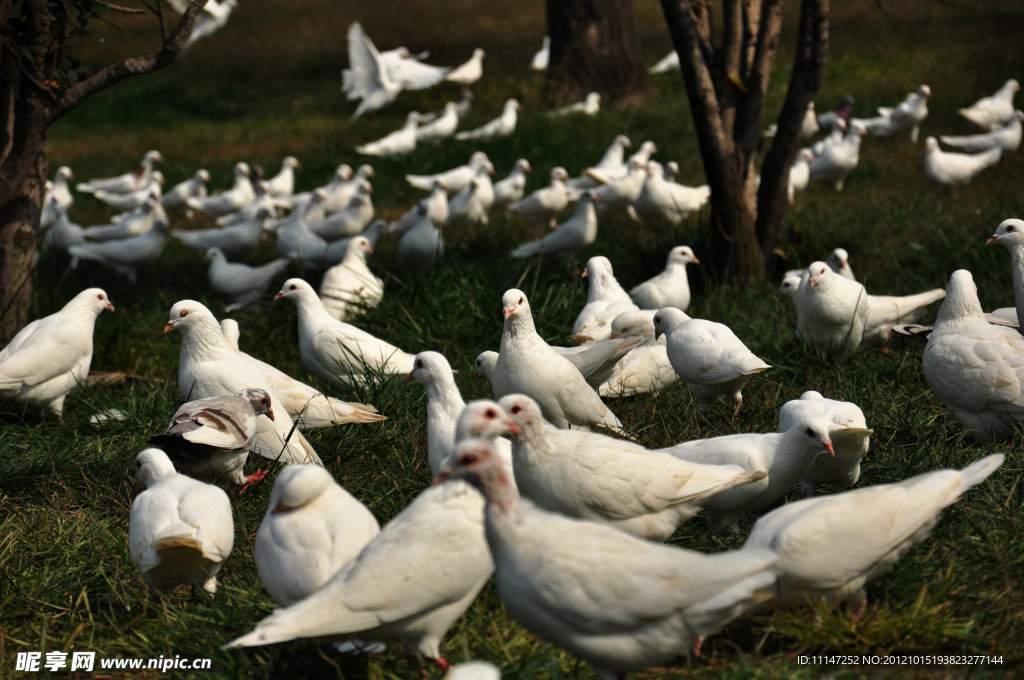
{"x": 268, "y": 87}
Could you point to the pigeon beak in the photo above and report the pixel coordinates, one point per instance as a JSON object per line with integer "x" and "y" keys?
{"x": 812, "y": 282}
{"x": 169, "y": 326}
{"x": 110, "y": 306}
{"x": 694, "y": 260}
{"x": 509, "y": 311}
{"x": 513, "y": 428}
{"x": 657, "y": 333}
{"x": 280, "y": 294}
{"x": 442, "y": 476}
{"x": 280, "y": 507}
{"x": 613, "y": 336}
{"x": 369, "y": 249}
{"x": 584, "y": 274}
{"x": 270, "y": 413}
{"x": 827, "y": 443}
{"x": 992, "y": 239}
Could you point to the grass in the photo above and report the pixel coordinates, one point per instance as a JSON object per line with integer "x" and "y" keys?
{"x": 267, "y": 87}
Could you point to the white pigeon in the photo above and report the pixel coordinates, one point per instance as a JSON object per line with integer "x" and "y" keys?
{"x": 421, "y": 245}
{"x": 133, "y": 199}
{"x": 337, "y": 352}
{"x": 609, "y": 481}
{"x": 502, "y": 126}
{"x": 63, "y": 233}
{"x": 349, "y": 286}
{"x": 799, "y": 174}
{"x": 407, "y": 586}
{"x": 622, "y": 192}
{"x": 830, "y": 547}
{"x": 542, "y": 57}
{"x": 886, "y": 311}
{"x": 347, "y": 222}
{"x": 708, "y": 357}
{"x": 808, "y": 128}
{"x": 647, "y": 367}
{"x": 975, "y": 368}
{"x": 943, "y": 167}
{"x": 850, "y": 437}
{"x": 619, "y": 602}
{"x": 907, "y": 115}
{"x": 569, "y": 238}
{"x": 283, "y": 183}
{"x": 402, "y": 67}
{"x": 444, "y": 407}
{"x": 211, "y": 19}
{"x": 470, "y": 71}
{"x": 435, "y": 206}
{"x": 1006, "y": 138}
{"x": 242, "y": 283}
{"x": 606, "y": 299}
{"x": 342, "y": 174}
{"x": 134, "y": 223}
{"x": 833, "y": 138}
{"x": 667, "y": 64}
{"x": 296, "y": 240}
{"x": 398, "y": 143}
{"x": 465, "y": 103}
{"x": 343, "y": 186}
{"x": 611, "y": 161}
{"x": 590, "y": 106}
{"x": 543, "y": 205}
{"x": 991, "y": 113}
{"x": 528, "y": 365}
{"x": 312, "y": 529}
{"x": 238, "y": 196}
{"x": 608, "y": 175}
{"x": 209, "y": 366}
{"x": 441, "y": 128}
{"x": 210, "y": 438}
{"x": 367, "y": 77}
{"x": 832, "y": 311}
{"x": 58, "y": 193}
{"x": 512, "y": 188}
{"x": 309, "y": 407}
{"x": 663, "y": 199}
{"x": 455, "y": 179}
{"x": 470, "y": 206}
{"x": 784, "y": 458}
{"x": 195, "y": 187}
{"x": 125, "y": 256}
{"x": 837, "y": 162}
{"x": 335, "y": 250}
{"x": 236, "y": 241}
{"x": 1010, "y": 233}
{"x": 838, "y": 261}
{"x": 670, "y": 288}
{"x": 262, "y": 201}
{"x": 130, "y": 181}
{"x": 180, "y": 530}
{"x": 50, "y": 357}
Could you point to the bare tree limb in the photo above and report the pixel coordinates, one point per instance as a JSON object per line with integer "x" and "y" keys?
{"x": 125, "y": 10}
{"x": 752, "y": 105}
{"x": 127, "y": 68}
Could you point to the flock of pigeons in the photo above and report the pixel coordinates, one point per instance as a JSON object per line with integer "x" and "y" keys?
{"x": 524, "y": 490}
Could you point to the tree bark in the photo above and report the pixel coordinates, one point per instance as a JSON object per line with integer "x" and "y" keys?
{"x": 726, "y": 87}
{"x": 31, "y": 102}
{"x": 595, "y": 47}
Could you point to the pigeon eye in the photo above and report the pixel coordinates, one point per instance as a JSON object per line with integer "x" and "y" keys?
{"x": 419, "y": 364}
{"x": 293, "y": 287}
{"x": 491, "y": 414}
{"x": 468, "y": 458}
{"x": 183, "y": 313}
{"x": 810, "y": 432}
{"x": 1009, "y": 228}
{"x": 520, "y": 300}
{"x": 99, "y": 297}
{"x": 516, "y": 410}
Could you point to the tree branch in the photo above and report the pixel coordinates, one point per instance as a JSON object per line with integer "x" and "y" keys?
{"x": 127, "y": 68}
{"x": 125, "y": 10}
{"x": 750, "y": 108}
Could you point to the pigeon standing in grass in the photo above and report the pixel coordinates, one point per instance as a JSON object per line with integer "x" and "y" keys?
{"x": 243, "y": 284}
{"x": 647, "y": 367}
{"x": 180, "y": 530}
{"x": 605, "y": 300}
{"x": 990, "y": 113}
{"x": 126, "y": 256}
{"x": 441, "y": 128}
{"x": 708, "y": 357}
{"x": 670, "y": 288}
{"x": 1010, "y": 233}
{"x": 528, "y": 365}
{"x": 130, "y": 181}
{"x": 237, "y": 197}
{"x": 542, "y": 206}
{"x": 830, "y": 547}
{"x": 210, "y": 438}
{"x": 456, "y": 178}
{"x": 50, "y": 357}
{"x": 236, "y": 241}
{"x": 502, "y": 126}
{"x": 282, "y": 184}
{"x": 422, "y": 245}
{"x": 832, "y": 311}
{"x": 571, "y": 237}
{"x": 190, "y": 188}
{"x": 942, "y": 167}
{"x": 511, "y": 189}
{"x": 837, "y": 162}
{"x": 349, "y": 286}
{"x": 470, "y": 71}
{"x": 398, "y": 143}
{"x": 1006, "y": 138}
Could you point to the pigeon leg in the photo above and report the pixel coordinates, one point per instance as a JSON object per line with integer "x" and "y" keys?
{"x": 736, "y": 411}
{"x": 253, "y": 478}
{"x": 697, "y": 644}
{"x": 859, "y": 605}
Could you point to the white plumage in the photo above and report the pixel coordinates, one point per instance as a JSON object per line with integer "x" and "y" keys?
{"x": 566, "y": 242}
{"x": 670, "y": 288}
{"x": 237, "y": 197}
{"x": 511, "y": 189}
{"x": 240, "y": 282}
{"x": 837, "y": 162}
{"x": 456, "y": 178}
{"x": 129, "y": 181}
{"x": 647, "y": 367}
{"x": 398, "y": 143}
{"x": 127, "y": 255}
{"x": 832, "y": 310}
{"x": 606, "y": 299}
{"x": 544, "y": 204}
{"x": 349, "y": 286}
{"x": 470, "y": 71}
{"x": 502, "y": 126}
{"x": 989, "y": 113}
{"x": 1006, "y": 138}
{"x": 943, "y": 167}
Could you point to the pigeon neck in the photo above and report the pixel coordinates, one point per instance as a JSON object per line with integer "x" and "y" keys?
{"x": 794, "y": 456}
{"x": 1017, "y": 271}
{"x": 534, "y": 441}
{"x": 444, "y": 404}
{"x": 312, "y": 314}
{"x": 203, "y": 340}
{"x": 498, "y": 491}
{"x": 517, "y": 325}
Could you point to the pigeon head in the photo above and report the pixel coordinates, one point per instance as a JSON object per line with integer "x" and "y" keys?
{"x": 639, "y": 323}
{"x": 153, "y": 157}
{"x": 359, "y": 245}
{"x": 92, "y": 300}
{"x": 813, "y": 425}
{"x": 186, "y": 313}
{"x": 151, "y": 466}
{"x": 1009, "y": 233}
{"x": 655, "y": 169}
{"x": 202, "y": 175}
{"x": 365, "y": 171}
{"x": 229, "y": 327}
{"x": 523, "y": 165}
{"x": 215, "y": 255}
{"x": 623, "y": 141}
{"x": 485, "y": 363}
{"x": 839, "y": 259}
{"x": 296, "y": 289}
{"x": 961, "y": 299}
{"x": 65, "y": 171}
{"x": 290, "y": 162}
{"x": 818, "y": 271}
{"x": 523, "y": 411}
{"x": 476, "y": 462}
{"x": 514, "y": 303}
{"x": 483, "y": 419}
{"x": 343, "y": 172}
{"x": 667, "y": 320}
{"x": 479, "y": 53}
{"x": 559, "y": 173}
{"x": 924, "y": 91}
{"x": 682, "y": 255}
{"x": 259, "y": 400}
{"x": 428, "y": 367}
{"x": 297, "y": 486}
{"x": 931, "y": 144}
{"x": 789, "y": 285}
{"x": 242, "y": 170}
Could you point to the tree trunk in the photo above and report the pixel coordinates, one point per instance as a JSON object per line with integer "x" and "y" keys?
{"x": 595, "y": 47}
